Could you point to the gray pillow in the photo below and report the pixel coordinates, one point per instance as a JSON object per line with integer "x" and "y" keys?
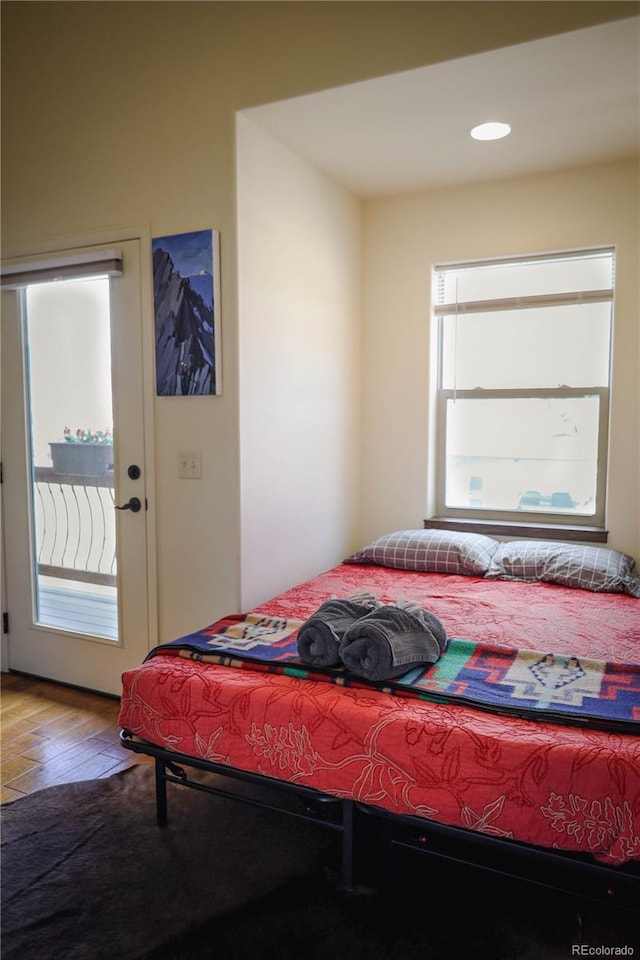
{"x": 572, "y": 565}
{"x": 430, "y": 551}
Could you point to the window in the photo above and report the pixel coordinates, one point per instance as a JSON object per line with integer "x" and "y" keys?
{"x": 523, "y": 387}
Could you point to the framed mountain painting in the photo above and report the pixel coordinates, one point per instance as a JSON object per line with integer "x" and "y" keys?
{"x": 186, "y": 297}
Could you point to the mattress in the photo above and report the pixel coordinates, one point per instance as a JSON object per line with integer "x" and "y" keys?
{"x": 547, "y": 784}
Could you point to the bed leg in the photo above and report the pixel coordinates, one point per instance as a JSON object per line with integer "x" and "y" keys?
{"x": 161, "y": 795}
{"x": 387, "y": 860}
{"x": 347, "y": 844}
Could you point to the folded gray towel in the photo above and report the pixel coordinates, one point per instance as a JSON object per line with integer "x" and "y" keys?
{"x": 391, "y": 640}
{"x": 319, "y": 637}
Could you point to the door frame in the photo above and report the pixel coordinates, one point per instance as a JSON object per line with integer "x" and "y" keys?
{"x": 56, "y": 245}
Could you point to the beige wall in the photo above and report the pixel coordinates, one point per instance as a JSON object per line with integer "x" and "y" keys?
{"x": 117, "y": 114}
{"x": 299, "y": 354}
{"x": 404, "y": 238}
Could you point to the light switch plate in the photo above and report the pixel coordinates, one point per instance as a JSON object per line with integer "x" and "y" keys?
{"x": 190, "y": 465}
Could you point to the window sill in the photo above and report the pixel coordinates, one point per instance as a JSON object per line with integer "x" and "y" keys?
{"x": 509, "y": 528}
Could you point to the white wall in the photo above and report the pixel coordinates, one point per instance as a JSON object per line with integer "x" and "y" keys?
{"x": 403, "y": 238}
{"x": 299, "y": 349}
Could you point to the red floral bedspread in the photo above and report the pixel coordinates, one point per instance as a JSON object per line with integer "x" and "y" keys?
{"x": 567, "y": 788}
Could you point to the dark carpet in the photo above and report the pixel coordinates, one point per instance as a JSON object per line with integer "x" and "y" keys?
{"x": 87, "y": 875}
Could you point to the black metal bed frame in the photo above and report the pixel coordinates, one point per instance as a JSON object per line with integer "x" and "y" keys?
{"x": 316, "y": 806}
{"x": 575, "y": 875}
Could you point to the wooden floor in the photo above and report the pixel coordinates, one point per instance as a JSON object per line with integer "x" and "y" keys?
{"x": 55, "y": 734}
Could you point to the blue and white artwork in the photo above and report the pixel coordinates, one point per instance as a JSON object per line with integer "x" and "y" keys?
{"x": 186, "y": 292}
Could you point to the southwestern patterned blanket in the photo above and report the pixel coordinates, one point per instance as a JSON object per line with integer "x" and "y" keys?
{"x": 527, "y": 683}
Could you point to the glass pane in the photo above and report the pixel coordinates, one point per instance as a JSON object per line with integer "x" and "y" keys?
{"x": 544, "y": 347}
{"x": 522, "y": 279}
{"x": 523, "y": 454}
{"x": 69, "y": 376}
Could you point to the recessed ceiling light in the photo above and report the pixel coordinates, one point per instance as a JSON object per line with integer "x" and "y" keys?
{"x": 491, "y": 131}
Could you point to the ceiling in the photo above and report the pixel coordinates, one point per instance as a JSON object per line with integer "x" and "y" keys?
{"x": 571, "y": 99}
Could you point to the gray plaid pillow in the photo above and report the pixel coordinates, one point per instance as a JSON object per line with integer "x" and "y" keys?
{"x": 430, "y": 551}
{"x": 572, "y": 565}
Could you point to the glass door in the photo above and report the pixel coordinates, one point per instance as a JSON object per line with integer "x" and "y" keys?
{"x": 68, "y": 351}
{"x": 76, "y": 517}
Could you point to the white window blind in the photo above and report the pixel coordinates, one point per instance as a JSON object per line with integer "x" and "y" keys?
{"x": 98, "y": 263}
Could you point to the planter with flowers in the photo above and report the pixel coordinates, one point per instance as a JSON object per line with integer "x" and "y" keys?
{"x": 83, "y": 453}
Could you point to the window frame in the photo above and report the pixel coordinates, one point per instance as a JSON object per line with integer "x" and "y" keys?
{"x": 493, "y": 520}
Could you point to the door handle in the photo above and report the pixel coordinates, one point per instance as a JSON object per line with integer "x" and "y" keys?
{"x": 133, "y": 504}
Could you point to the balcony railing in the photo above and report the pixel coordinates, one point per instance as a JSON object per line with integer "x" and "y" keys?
{"x": 75, "y": 526}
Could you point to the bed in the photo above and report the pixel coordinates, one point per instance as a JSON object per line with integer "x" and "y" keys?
{"x": 536, "y": 785}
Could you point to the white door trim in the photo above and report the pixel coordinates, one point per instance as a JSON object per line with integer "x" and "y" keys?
{"x": 55, "y": 245}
